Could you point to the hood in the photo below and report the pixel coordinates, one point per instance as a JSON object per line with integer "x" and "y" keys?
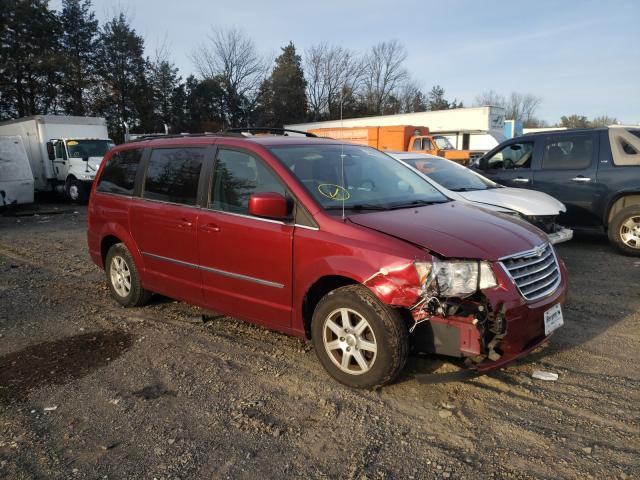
{"x": 456, "y": 230}
{"x": 94, "y": 163}
{"x": 527, "y": 202}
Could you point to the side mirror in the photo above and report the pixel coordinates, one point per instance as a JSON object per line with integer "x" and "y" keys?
{"x": 269, "y": 205}
{"x": 51, "y": 151}
{"x": 85, "y": 158}
{"x": 482, "y": 163}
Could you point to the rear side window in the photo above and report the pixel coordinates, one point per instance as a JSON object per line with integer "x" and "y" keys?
{"x": 173, "y": 175}
{"x": 567, "y": 153}
{"x": 119, "y": 174}
{"x": 236, "y": 176}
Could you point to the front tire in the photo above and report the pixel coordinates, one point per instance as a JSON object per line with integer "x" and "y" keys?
{"x": 76, "y": 191}
{"x": 359, "y": 341}
{"x": 624, "y": 230}
{"x": 123, "y": 277}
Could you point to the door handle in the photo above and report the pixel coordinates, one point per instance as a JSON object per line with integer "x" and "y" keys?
{"x": 210, "y": 227}
{"x": 521, "y": 180}
{"x": 184, "y": 223}
{"x": 581, "y": 179}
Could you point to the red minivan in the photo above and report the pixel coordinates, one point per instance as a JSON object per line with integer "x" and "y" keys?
{"x": 334, "y": 242}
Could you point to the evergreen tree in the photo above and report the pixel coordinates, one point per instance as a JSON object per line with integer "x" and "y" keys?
{"x": 78, "y": 42}
{"x": 122, "y": 94}
{"x": 283, "y": 97}
{"x": 164, "y": 80}
{"x": 29, "y": 46}
{"x": 436, "y": 100}
{"x": 205, "y": 101}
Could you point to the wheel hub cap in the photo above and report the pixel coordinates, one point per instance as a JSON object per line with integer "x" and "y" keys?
{"x": 630, "y": 232}
{"x": 120, "y": 276}
{"x": 349, "y": 341}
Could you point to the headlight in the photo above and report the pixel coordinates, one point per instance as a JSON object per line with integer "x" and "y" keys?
{"x": 455, "y": 278}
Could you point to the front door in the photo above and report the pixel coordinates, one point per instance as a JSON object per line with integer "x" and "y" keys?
{"x": 61, "y": 162}
{"x": 511, "y": 165}
{"x": 568, "y": 173}
{"x": 164, "y": 221}
{"x": 245, "y": 261}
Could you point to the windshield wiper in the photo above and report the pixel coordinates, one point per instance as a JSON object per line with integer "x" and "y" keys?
{"x": 357, "y": 206}
{"x": 466, "y": 189}
{"x": 416, "y": 203}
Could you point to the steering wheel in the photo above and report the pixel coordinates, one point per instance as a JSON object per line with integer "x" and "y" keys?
{"x": 367, "y": 185}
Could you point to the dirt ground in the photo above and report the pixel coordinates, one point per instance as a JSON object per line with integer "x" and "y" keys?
{"x": 91, "y": 390}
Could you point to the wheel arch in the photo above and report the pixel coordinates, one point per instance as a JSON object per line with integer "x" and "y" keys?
{"x": 622, "y": 201}
{"x": 321, "y": 287}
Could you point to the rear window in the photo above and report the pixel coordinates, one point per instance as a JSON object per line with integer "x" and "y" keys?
{"x": 568, "y": 152}
{"x": 119, "y": 174}
{"x": 173, "y": 174}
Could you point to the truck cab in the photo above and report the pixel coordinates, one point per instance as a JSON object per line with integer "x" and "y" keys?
{"x": 440, "y": 146}
{"x": 75, "y": 163}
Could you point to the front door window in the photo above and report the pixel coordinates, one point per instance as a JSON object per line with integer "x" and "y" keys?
{"x": 512, "y": 157}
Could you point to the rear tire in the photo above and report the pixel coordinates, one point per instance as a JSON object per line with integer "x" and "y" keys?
{"x": 123, "y": 277}
{"x": 624, "y": 230}
{"x": 359, "y": 341}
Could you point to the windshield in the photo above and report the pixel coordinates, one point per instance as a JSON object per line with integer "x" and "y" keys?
{"x": 443, "y": 143}
{"x": 88, "y": 148}
{"x": 372, "y": 180}
{"x": 450, "y": 174}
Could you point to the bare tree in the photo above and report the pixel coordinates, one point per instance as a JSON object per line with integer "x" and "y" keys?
{"x": 232, "y": 58}
{"x": 518, "y": 106}
{"x": 411, "y": 98}
{"x": 383, "y": 74}
{"x": 490, "y": 98}
{"x": 330, "y": 72}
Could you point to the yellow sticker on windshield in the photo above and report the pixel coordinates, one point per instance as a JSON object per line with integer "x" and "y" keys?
{"x": 334, "y": 192}
{"x": 72, "y": 142}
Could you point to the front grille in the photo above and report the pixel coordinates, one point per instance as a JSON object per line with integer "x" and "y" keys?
{"x": 535, "y": 272}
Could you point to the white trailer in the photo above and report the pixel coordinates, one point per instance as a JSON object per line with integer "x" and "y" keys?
{"x": 64, "y": 151}
{"x": 477, "y": 128}
{"x": 16, "y": 178}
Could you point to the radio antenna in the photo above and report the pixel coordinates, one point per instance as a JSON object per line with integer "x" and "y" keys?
{"x": 344, "y": 190}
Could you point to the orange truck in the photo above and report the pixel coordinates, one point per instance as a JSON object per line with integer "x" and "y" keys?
{"x": 403, "y": 138}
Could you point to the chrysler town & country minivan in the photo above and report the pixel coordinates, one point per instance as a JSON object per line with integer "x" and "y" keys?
{"x": 328, "y": 241}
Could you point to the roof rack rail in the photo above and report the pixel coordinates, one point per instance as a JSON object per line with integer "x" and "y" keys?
{"x": 142, "y": 138}
{"x": 272, "y": 130}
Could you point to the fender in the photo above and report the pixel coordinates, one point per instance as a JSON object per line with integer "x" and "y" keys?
{"x": 393, "y": 280}
{"x": 116, "y": 230}
{"x": 628, "y": 197}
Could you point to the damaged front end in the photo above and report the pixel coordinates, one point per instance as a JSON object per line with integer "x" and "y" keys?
{"x": 450, "y": 312}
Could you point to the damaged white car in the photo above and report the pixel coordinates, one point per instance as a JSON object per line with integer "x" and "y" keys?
{"x": 460, "y": 183}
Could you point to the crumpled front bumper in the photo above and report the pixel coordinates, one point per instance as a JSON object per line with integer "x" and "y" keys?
{"x": 464, "y": 337}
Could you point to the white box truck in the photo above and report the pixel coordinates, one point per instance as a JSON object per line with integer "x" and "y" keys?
{"x": 64, "y": 151}
{"x": 16, "y": 178}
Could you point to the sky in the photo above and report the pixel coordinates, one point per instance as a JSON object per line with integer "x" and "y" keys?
{"x": 579, "y": 56}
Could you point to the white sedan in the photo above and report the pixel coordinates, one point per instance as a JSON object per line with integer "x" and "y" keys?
{"x": 460, "y": 183}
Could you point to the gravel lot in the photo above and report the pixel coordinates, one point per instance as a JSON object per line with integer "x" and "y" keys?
{"x": 91, "y": 390}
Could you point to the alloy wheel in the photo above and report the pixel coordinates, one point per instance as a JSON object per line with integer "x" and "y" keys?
{"x": 120, "y": 276}
{"x": 630, "y": 232}
{"x": 349, "y": 341}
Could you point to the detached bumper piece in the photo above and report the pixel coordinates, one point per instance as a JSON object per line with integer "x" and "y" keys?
{"x": 562, "y": 235}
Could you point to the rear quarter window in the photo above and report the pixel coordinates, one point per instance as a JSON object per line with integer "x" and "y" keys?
{"x": 119, "y": 174}
{"x": 625, "y": 146}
